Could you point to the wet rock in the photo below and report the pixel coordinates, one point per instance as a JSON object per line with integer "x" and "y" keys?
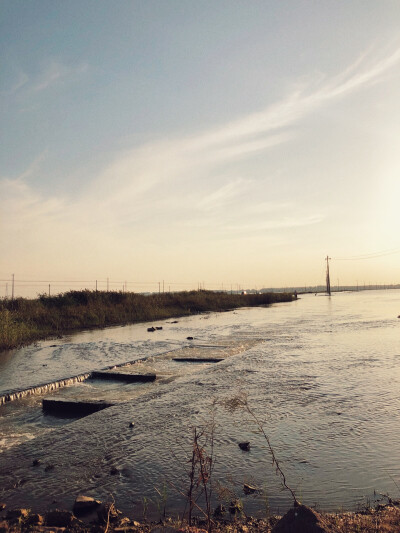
{"x": 245, "y": 446}
{"x": 189, "y": 338}
{"x": 219, "y": 510}
{"x": 36, "y": 462}
{"x": 248, "y": 489}
{"x": 301, "y": 519}
{"x": 85, "y": 504}
{"x": 59, "y": 518}
{"x": 17, "y": 514}
{"x": 151, "y": 329}
{"x": 2, "y": 506}
{"x": 158, "y": 327}
{"x": 131, "y": 424}
{"x": 49, "y": 468}
{"x": 114, "y": 471}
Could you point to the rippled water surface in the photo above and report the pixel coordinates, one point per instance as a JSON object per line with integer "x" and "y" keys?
{"x": 322, "y": 373}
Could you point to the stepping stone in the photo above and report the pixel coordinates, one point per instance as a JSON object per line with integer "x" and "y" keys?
{"x": 198, "y": 359}
{"x": 73, "y": 407}
{"x": 120, "y": 376}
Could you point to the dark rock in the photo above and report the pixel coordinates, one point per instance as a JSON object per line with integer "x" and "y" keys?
{"x": 219, "y": 510}
{"x": 35, "y": 520}
{"x": 189, "y": 338}
{"x": 151, "y": 329}
{"x": 301, "y": 519}
{"x": 245, "y": 446}
{"x": 85, "y": 504}
{"x": 49, "y": 468}
{"x": 2, "y": 506}
{"x": 114, "y": 471}
{"x": 17, "y": 514}
{"x": 131, "y": 424}
{"x": 4, "y": 527}
{"x": 36, "y": 462}
{"x": 59, "y": 518}
{"x": 248, "y": 489}
{"x": 158, "y": 327}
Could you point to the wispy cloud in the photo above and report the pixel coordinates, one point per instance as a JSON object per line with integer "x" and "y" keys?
{"x": 56, "y": 72}
{"x": 183, "y": 183}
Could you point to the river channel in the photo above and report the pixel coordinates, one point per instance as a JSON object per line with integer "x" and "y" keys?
{"x": 322, "y": 373}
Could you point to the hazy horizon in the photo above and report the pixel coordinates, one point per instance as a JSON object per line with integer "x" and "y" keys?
{"x": 221, "y": 143}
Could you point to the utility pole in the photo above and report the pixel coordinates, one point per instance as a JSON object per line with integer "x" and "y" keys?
{"x": 12, "y": 288}
{"x": 159, "y": 288}
{"x": 96, "y": 285}
{"x": 107, "y": 284}
{"x": 49, "y": 290}
{"x": 328, "y": 281}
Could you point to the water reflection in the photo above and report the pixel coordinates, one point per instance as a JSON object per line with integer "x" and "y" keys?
{"x": 322, "y": 373}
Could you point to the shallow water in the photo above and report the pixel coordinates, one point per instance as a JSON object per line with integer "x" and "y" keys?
{"x": 323, "y": 373}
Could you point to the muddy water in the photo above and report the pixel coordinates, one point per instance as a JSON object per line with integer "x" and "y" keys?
{"x": 322, "y": 373}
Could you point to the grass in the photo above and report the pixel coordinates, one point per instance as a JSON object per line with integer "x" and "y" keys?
{"x": 23, "y": 321}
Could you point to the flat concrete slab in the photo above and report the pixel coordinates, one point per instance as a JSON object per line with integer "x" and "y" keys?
{"x": 123, "y": 376}
{"x": 199, "y": 359}
{"x": 64, "y": 407}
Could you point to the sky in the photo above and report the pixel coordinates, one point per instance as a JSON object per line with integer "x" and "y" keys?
{"x": 213, "y": 143}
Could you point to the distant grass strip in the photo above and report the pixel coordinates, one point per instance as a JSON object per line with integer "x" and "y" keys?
{"x": 23, "y": 321}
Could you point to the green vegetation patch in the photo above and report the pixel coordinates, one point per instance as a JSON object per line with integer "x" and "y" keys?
{"x": 23, "y": 321}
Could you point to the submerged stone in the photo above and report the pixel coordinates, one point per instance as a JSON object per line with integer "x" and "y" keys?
{"x": 85, "y": 504}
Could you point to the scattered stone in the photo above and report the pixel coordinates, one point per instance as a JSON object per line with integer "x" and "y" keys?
{"x": 245, "y": 446}
{"x": 2, "y": 506}
{"x": 36, "y": 462}
{"x": 17, "y": 514}
{"x": 49, "y": 468}
{"x": 59, "y": 518}
{"x": 131, "y": 424}
{"x": 151, "y": 329}
{"x": 301, "y": 519}
{"x": 114, "y": 471}
{"x": 85, "y": 504}
{"x": 219, "y": 510}
{"x": 189, "y": 338}
{"x": 35, "y": 520}
{"x": 158, "y": 327}
{"x": 248, "y": 489}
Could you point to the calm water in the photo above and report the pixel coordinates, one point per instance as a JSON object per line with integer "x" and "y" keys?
{"x": 322, "y": 373}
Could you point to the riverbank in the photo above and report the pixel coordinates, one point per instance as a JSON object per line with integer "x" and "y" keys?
{"x": 106, "y": 518}
{"x": 24, "y": 321}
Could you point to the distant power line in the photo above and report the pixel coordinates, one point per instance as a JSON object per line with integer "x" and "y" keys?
{"x": 372, "y": 255}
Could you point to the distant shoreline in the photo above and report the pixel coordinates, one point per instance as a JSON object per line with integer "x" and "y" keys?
{"x": 24, "y": 321}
